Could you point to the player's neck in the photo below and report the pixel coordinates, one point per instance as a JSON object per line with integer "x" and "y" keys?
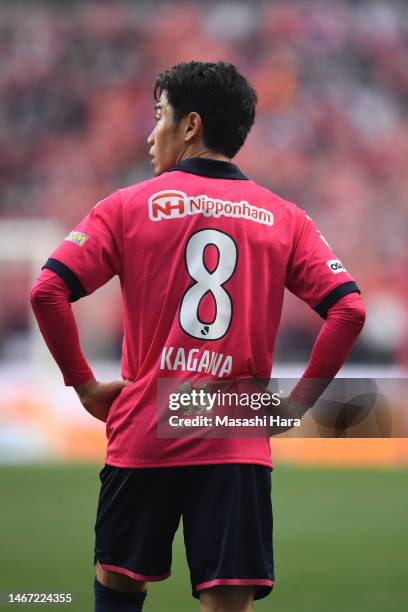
{"x": 202, "y": 152}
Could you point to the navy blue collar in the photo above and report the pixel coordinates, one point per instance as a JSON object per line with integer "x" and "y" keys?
{"x": 211, "y": 168}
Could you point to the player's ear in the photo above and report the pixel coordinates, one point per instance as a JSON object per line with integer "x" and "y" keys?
{"x": 192, "y": 127}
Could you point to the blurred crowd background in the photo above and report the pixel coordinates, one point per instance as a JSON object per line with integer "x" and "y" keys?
{"x": 331, "y": 134}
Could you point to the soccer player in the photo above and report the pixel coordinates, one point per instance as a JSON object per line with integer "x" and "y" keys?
{"x": 203, "y": 255}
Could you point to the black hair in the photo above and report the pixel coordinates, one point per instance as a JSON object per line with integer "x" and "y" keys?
{"x": 219, "y": 94}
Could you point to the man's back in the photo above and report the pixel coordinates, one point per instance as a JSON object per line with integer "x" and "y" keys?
{"x": 198, "y": 259}
{"x": 203, "y": 255}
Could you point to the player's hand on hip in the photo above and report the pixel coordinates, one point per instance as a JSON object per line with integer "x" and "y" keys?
{"x": 289, "y": 410}
{"x": 97, "y": 397}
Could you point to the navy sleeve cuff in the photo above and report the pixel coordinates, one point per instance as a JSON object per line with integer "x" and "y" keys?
{"x": 72, "y": 281}
{"x": 334, "y": 296}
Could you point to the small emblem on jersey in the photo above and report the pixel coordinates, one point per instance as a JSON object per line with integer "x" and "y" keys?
{"x": 167, "y": 204}
{"x": 336, "y": 266}
{"x": 77, "y": 238}
{"x": 173, "y": 204}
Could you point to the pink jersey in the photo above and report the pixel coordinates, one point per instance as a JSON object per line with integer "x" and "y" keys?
{"x": 203, "y": 255}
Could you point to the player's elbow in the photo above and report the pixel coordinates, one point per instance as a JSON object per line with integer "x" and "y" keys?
{"x": 49, "y": 289}
{"x": 356, "y": 311}
{"x": 41, "y": 293}
{"x": 349, "y": 311}
{"x": 37, "y": 295}
{"x": 359, "y": 311}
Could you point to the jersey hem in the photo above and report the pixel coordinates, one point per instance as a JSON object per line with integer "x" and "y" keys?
{"x": 130, "y": 463}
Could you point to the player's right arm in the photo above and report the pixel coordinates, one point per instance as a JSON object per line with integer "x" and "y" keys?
{"x": 88, "y": 257}
{"x": 53, "y": 311}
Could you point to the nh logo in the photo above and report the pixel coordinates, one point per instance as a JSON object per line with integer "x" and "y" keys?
{"x": 167, "y": 204}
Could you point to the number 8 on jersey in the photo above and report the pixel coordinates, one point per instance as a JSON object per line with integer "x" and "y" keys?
{"x": 206, "y": 281}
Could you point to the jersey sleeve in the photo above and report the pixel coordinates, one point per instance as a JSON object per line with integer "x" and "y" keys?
{"x": 91, "y": 254}
{"x": 314, "y": 273}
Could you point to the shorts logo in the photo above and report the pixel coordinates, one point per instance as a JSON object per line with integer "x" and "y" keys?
{"x": 336, "y": 266}
{"x": 77, "y": 238}
{"x": 173, "y": 204}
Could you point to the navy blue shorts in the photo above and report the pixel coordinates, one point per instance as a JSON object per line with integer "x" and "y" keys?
{"x": 227, "y": 523}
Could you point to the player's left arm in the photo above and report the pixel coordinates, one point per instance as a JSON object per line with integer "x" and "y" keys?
{"x": 330, "y": 351}
{"x": 317, "y": 276}
{"x": 88, "y": 257}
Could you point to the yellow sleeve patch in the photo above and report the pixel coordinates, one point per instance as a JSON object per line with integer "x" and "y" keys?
{"x": 77, "y": 238}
